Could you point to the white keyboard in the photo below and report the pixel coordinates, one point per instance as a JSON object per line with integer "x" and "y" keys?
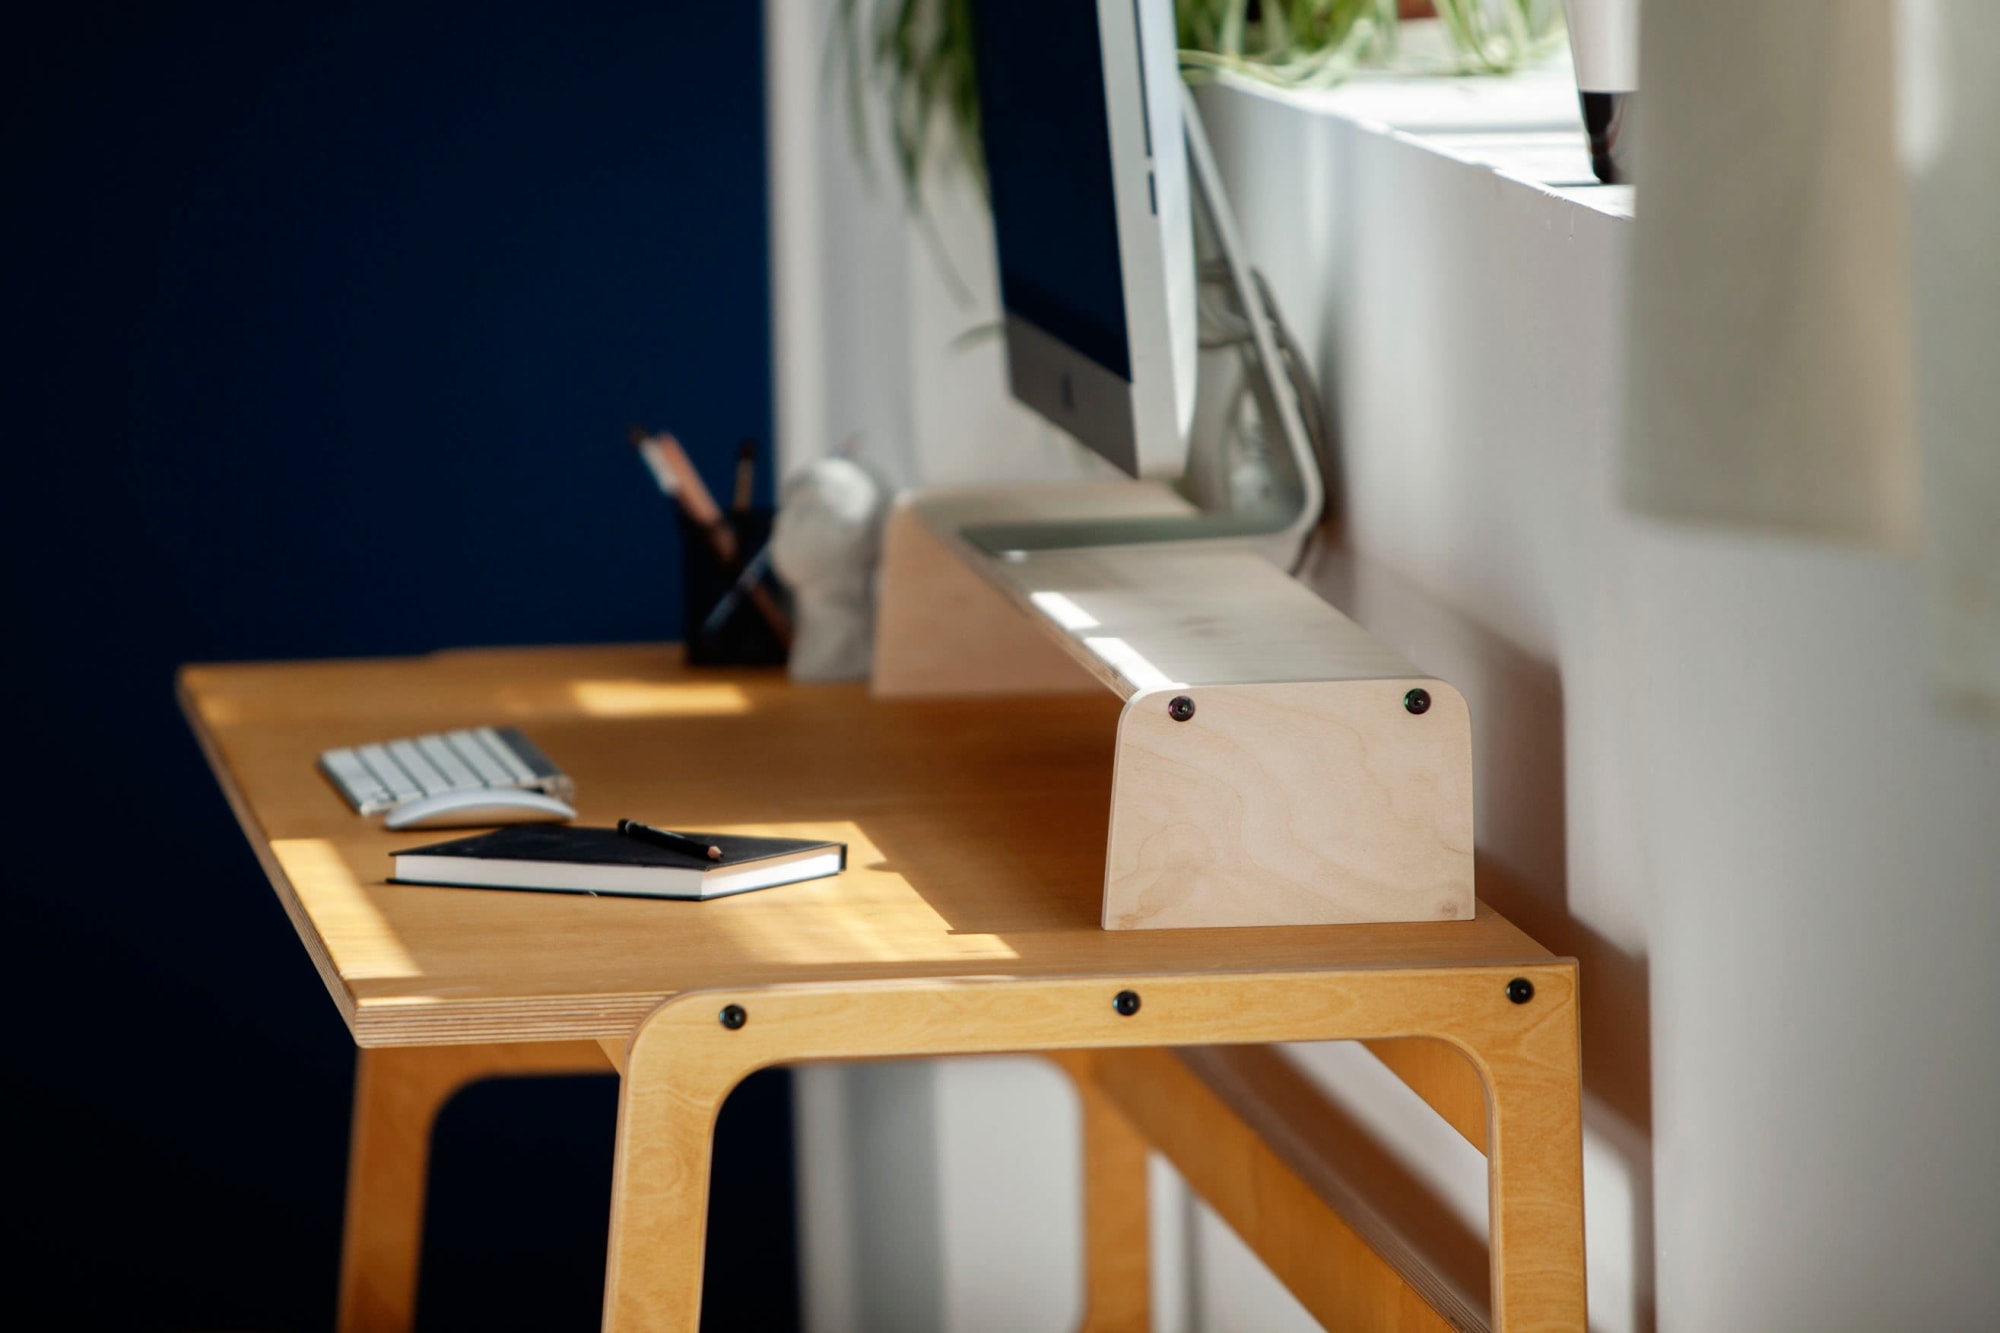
{"x": 382, "y": 776}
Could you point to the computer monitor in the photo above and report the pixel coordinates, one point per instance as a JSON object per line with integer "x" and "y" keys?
{"x": 1081, "y": 121}
{"x": 1129, "y": 300}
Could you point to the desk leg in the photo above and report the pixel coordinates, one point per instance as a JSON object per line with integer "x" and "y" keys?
{"x": 398, "y": 1091}
{"x": 666, "y": 1123}
{"x": 1534, "y": 1184}
{"x": 659, "y": 1191}
{"x": 1117, "y": 1278}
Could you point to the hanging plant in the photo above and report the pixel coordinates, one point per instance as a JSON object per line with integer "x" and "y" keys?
{"x": 920, "y": 52}
{"x": 1318, "y": 43}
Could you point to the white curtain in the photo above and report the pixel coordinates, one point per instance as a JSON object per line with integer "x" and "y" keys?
{"x": 1951, "y": 142}
{"x": 1786, "y": 371}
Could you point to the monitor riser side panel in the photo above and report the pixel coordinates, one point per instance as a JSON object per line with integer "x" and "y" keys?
{"x": 1291, "y": 804}
{"x": 943, "y": 631}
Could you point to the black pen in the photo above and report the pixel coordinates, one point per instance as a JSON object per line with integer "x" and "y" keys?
{"x": 677, "y": 842}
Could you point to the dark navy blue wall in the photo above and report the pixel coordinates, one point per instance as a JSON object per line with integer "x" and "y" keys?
{"x": 324, "y": 323}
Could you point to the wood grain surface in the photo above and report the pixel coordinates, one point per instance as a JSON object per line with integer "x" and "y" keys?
{"x": 1304, "y": 1187}
{"x": 977, "y": 833}
{"x": 942, "y": 631}
{"x": 1291, "y": 804}
{"x": 398, "y": 1092}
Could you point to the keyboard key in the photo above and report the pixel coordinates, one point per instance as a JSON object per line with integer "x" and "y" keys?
{"x": 518, "y": 771}
{"x": 547, "y": 777}
{"x": 418, "y": 767}
{"x": 361, "y": 788}
{"x": 382, "y": 776}
{"x": 389, "y": 773}
{"x": 467, "y": 747}
{"x": 455, "y": 770}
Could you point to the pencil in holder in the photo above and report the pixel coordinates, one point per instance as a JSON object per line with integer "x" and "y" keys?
{"x": 735, "y": 612}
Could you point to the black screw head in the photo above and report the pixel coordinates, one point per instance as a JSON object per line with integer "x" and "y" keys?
{"x": 732, "y": 1016}
{"x": 1180, "y": 708}
{"x": 1126, "y": 1002}
{"x": 1520, "y": 990}
{"x": 1418, "y": 701}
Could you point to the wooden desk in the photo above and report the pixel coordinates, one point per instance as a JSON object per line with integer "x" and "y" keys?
{"x": 976, "y": 833}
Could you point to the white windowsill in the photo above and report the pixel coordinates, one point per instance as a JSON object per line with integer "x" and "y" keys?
{"x": 1524, "y": 126}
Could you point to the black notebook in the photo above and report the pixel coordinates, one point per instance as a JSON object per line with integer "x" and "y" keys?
{"x": 563, "y": 858}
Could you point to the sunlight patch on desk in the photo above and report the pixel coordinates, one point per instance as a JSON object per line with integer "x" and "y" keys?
{"x": 363, "y": 944}
{"x": 868, "y": 912}
{"x": 652, "y": 698}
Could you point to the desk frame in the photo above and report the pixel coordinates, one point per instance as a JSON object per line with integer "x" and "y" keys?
{"x": 684, "y": 1062}
{"x": 974, "y": 950}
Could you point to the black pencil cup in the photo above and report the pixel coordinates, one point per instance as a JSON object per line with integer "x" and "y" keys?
{"x": 741, "y": 635}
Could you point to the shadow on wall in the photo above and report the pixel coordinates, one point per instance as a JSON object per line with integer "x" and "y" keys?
{"x": 1521, "y": 800}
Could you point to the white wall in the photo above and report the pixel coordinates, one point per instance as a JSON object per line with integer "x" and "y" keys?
{"x": 1708, "y": 766}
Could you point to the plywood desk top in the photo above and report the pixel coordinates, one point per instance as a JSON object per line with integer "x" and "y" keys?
{"x": 976, "y": 834}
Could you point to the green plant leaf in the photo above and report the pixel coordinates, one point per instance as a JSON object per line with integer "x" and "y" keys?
{"x": 917, "y": 56}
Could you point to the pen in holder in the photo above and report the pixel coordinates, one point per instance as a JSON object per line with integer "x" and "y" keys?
{"x": 735, "y": 613}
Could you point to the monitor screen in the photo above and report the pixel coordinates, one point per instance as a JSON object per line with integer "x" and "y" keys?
{"x": 1048, "y": 161}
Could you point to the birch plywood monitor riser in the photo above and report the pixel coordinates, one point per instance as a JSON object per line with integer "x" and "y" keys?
{"x": 1275, "y": 764}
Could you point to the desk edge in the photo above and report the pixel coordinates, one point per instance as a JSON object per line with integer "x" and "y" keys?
{"x": 260, "y": 846}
